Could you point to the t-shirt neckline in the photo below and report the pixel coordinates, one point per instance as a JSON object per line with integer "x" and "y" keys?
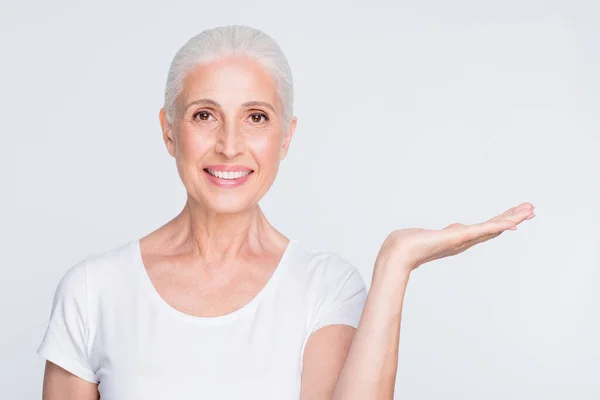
{"x": 156, "y": 298}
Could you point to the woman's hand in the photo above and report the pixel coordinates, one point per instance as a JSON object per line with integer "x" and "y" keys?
{"x": 415, "y": 246}
{"x": 369, "y": 371}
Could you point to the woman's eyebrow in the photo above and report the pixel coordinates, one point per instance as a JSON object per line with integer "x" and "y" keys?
{"x": 215, "y": 104}
{"x": 258, "y": 103}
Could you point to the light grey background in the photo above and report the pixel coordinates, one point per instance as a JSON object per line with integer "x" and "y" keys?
{"x": 410, "y": 115}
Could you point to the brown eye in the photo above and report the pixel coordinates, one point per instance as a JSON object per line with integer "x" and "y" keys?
{"x": 201, "y": 115}
{"x": 256, "y": 117}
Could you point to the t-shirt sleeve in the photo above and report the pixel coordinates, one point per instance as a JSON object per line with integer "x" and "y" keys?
{"x": 65, "y": 340}
{"x": 345, "y": 298}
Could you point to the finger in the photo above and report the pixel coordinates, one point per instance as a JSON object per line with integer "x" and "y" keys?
{"x": 493, "y": 226}
{"x": 518, "y": 217}
{"x": 477, "y": 233}
{"x": 506, "y": 223}
{"x": 515, "y": 210}
{"x": 501, "y": 226}
{"x": 467, "y": 245}
{"x": 481, "y": 239}
{"x": 524, "y": 206}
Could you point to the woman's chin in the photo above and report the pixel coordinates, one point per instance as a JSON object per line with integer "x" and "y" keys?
{"x": 225, "y": 205}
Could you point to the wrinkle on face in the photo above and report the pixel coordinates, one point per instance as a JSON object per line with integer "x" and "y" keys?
{"x": 230, "y": 90}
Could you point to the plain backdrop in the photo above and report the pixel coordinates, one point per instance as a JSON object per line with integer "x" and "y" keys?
{"x": 411, "y": 114}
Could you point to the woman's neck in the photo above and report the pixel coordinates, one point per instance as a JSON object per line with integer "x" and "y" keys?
{"x": 217, "y": 237}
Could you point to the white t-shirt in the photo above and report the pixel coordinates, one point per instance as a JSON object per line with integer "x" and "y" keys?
{"x": 110, "y": 326}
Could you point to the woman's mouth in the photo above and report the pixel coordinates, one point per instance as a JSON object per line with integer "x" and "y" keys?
{"x": 229, "y": 175}
{"x": 227, "y": 179}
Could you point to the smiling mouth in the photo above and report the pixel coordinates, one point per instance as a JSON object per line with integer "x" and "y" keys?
{"x": 228, "y": 175}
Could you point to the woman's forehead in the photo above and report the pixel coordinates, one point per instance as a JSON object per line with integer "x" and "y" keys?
{"x": 234, "y": 80}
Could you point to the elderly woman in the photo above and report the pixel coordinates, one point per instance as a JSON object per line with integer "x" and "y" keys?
{"x": 217, "y": 303}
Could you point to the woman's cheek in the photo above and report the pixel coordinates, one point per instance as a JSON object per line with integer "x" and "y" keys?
{"x": 266, "y": 148}
{"x": 193, "y": 144}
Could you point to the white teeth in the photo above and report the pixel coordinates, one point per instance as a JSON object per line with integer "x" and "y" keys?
{"x": 228, "y": 174}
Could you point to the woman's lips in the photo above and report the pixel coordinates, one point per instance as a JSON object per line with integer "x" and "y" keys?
{"x": 227, "y": 183}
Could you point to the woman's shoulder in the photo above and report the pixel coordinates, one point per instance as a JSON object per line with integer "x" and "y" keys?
{"x": 335, "y": 288}
{"x": 112, "y": 266}
{"x": 98, "y": 273}
{"x": 322, "y": 266}
{"x": 112, "y": 257}
{"x": 102, "y": 263}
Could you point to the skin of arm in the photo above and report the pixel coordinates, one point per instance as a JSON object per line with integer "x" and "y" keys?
{"x": 60, "y": 384}
{"x": 370, "y": 365}
{"x": 324, "y": 355}
{"x": 344, "y": 363}
{"x": 369, "y": 371}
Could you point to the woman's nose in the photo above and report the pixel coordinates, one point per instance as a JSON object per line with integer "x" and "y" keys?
{"x": 230, "y": 141}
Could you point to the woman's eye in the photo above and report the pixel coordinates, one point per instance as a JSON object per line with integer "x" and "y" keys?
{"x": 202, "y": 115}
{"x": 256, "y": 117}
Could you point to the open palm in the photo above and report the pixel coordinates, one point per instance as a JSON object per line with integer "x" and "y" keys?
{"x": 416, "y": 246}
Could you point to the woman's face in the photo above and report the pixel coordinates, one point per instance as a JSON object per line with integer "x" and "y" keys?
{"x": 228, "y": 117}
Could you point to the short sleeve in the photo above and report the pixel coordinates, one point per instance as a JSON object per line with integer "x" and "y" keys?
{"x": 65, "y": 340}
{"x": 346, "y": 294}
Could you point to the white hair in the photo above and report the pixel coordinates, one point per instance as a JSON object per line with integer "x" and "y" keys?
{"x": 226, "y": 41}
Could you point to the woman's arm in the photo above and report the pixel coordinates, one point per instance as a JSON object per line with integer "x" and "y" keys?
{"x": 369, "y": 371}
{"x": 60, "y": 384}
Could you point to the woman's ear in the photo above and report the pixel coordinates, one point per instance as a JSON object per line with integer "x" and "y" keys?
{"x": 167, "y": 132}
{"x": 288, "y": 137}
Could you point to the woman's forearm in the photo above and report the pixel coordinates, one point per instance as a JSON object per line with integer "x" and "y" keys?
{"x": 369, "y": 371}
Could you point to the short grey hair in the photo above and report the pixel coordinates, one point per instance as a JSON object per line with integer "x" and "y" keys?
{"x": 226, "y": 41}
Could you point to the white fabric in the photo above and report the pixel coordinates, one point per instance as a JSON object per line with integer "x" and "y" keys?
{"x": 109, "y": 325}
